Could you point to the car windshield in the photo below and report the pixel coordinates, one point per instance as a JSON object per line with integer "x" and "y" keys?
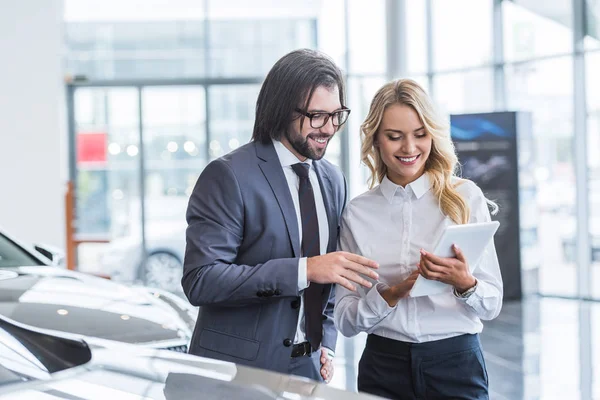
{"x": 13, "y": 255}
{"x": 16, "y": 364}
{"x": 27, "y": 354}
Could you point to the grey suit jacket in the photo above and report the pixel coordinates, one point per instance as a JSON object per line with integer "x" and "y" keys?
{"x": 242, "y": 253}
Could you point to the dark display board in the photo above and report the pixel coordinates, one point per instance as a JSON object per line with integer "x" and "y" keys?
{"x": 487, "y": 148}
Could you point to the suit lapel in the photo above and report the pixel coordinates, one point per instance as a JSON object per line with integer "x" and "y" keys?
{"x": 330, "y": 206}
{"x": 271, "y": 168}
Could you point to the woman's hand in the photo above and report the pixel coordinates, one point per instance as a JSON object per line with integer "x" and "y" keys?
{"x": 453, "y": 270}
{"x": 393, "y": 294}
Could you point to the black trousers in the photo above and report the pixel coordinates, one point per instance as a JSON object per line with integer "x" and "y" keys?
{"x": 443, "y": 369}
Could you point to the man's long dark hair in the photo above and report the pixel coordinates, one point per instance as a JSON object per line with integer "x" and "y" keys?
{"x": 290, "y": 84}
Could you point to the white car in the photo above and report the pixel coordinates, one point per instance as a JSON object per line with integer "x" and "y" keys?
{"x": 162, "y": 264}
{"x": 42, "y": 364}
{"x": 34, "y": 292}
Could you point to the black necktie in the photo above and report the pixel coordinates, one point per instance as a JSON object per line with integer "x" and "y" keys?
{"x": 311, "y": 246}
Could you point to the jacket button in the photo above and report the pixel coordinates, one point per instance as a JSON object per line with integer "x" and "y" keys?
{"x": 260, "y": 293}
{"x": 277, "y": 292}
{"x": 270, "y": 293}
{"x": 287, "y": 342}
{"x": 295, "y": 304}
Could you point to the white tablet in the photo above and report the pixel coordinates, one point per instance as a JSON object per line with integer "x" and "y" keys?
{"x": 472, "y": 239}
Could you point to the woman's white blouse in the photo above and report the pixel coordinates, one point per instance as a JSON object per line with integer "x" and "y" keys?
{"x": 390, "y": 224}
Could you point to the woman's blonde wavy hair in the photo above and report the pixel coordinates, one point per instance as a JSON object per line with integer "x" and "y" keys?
{"x": 442, "y": 162}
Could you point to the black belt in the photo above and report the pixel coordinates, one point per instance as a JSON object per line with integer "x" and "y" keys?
{"x": 443, "y": 346}
{"x": 301, "y": 349}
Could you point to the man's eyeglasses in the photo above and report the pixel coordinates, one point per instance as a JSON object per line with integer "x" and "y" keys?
{"x": 319, "y": 119}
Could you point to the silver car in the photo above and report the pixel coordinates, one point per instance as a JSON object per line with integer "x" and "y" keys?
{"x": 34, "y": 292}
{"x": 38, "y": 364}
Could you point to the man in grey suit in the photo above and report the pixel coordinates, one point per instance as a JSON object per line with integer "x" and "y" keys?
{"x": 260, "y": 259}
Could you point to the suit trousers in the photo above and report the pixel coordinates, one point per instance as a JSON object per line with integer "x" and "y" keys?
{"x": 451, "y": 368}
{"x": 307, "y": 366}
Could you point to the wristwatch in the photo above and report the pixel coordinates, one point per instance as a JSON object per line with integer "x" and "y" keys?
{"x": 467, "y": 293}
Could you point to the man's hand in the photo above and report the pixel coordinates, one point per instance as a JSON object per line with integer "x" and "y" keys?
{"x": 453, "y": 270}
{"x": 341, "y": 268}
{"x": 393, "y": 294}
{"x": 326, "y": 366}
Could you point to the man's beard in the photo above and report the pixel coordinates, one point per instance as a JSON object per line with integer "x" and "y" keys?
{"x": 302, "y": 147}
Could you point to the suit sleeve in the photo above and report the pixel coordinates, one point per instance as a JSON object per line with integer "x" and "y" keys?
{"x": 215, "y": 218}
{"x": 329, "y": 331}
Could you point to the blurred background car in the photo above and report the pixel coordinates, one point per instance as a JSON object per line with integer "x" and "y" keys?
{"x": 44, "y": 364}
{"x": 34, "y": 292}
{"x": 161, "y": 265}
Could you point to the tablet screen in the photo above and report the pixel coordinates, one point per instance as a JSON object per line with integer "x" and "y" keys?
{"x": 472, "y": 239}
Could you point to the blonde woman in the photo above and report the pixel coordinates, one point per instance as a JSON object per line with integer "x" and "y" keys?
{"x": 424, "y": 347}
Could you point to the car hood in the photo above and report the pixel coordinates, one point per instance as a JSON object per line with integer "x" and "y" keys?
{"x": 122, "y": 371}
{"x": 68, "y": 301}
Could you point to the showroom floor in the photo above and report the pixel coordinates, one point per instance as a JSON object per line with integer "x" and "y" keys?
{"x": 541, "y": 348}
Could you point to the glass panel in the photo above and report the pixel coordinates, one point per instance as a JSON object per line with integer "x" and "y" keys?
{"x": 247, "y": 47}
{"x": 595, "y": 350}
{"x": 592, "y": 40}
{"x": 541, "y": 29}
{"x": 593, "y": 145}
{"x": 591, "y": 43}
{"x": 360, "y": 94}
{"x": 136, "y": 49}
{"x": 107, "y": 175}
{"x": 464, "y": 92}
{"x": 454, "y": 41}
{"x": 551, "y": 105}
{"x": 366, "y": 42}
{"x": 593, "y": 81}
{"x": 174, "y": 121}
{"x": 247, "y": 38}
{"x": 231, "y": 116}
{"x": 334, "y": 148}
{"x": 331, "y": 25}
{"x": 422, "y": 80}
{"x": 170, "y": 40}
{"x": 416, "y": 35}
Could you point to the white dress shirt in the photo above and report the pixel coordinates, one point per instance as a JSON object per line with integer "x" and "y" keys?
{"x": 287, "y": 159}
{"x": 390, "y": 224}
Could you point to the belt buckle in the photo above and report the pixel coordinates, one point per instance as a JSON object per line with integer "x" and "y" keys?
{"x": 301, "y": 349}
{"x": 306, "y": 348}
